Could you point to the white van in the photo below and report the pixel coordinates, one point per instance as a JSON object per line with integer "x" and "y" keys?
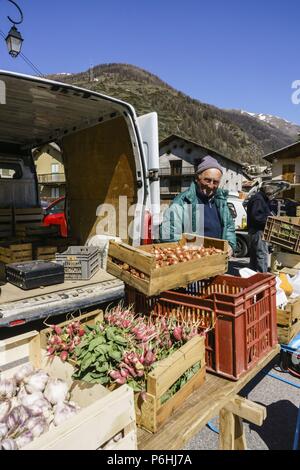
{"x": 111, "y": 161}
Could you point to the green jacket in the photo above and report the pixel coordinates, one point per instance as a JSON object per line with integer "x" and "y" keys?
{"x": 177, "y": 218}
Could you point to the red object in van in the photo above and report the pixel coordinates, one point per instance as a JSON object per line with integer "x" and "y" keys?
{"x": 55, "y": 215}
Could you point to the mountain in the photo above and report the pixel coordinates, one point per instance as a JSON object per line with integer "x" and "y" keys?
{"x": 288, "y": 127}
{"x": 236, "y": 134}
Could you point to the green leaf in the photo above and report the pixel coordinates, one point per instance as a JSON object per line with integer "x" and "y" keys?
{"x": 103, "y": 367}
{"x": 110, "y": 334}
{"x": 134, "y": 385}
{"x": 102, "y": 349}
{"x": 116, "y": 355}
{"x": 88, "y": 378}
{"x": 95, "y": 342}
{"x": 121, "y": 340}
{"x": 87, "y": 362}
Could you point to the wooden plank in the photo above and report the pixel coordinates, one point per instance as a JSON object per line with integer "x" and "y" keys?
{"x": 132, "y": 256}
{"x": 128, "y": 442}
{"x": 246, "y": 409}
{"x": 28, "y": 210}
{"x": 168, "y": 408}
{"x": 168, "y": 371}
{"x": 16, "y": 351}
{"x": 239, "y": 434}
{"x": 40, "y": 250}
{"x": 203, "y": 405}
{"x": 226, "y": 430}
{"x": 286, "y": 334}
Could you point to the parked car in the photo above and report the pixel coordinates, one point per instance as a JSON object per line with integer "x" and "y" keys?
{"x": 54, "y": 214}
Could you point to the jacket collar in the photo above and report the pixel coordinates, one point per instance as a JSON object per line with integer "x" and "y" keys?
{"x": 191, "y": 193}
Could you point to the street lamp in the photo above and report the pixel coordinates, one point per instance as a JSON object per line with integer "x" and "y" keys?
{"x": 14, "y": 38}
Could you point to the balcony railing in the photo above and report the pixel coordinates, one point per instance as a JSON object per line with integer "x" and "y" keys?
{"x": 189, "y": 171}
{"x": 52, "y": 178}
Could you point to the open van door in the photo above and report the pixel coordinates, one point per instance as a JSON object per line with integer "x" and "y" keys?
{"x": 148, "y": 126}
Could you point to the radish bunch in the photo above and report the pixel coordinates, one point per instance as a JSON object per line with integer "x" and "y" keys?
{"x": 63, "y": 341}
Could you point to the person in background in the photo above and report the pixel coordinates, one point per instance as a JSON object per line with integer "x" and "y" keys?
{"x": 258, "y": 210}
{"x": 203, "y": 197}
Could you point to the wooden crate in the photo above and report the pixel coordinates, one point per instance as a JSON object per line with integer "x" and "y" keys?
{"x": 36, "y": 229}
{"x": 103, "y": 415}
{"x": 288, "y": 321}
{"x": 6, "y": 223}
{"x": 152, "y": 414}
{"x": 283, "y": 232}
{"x": 46, "y": 253}
{"x": 169, "y": 277}
{"x": 16, "y": 253}
{"x": 281, "y": 259}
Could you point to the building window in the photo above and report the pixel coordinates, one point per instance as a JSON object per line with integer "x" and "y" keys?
{"x": 288, "y": 173}
{"x": 175, "y": 185}
{"x": 54, "y": 168}
{"x": 176, "y": 167}
{"x": 55, "y": 193}
{"x": 10, "y": 171}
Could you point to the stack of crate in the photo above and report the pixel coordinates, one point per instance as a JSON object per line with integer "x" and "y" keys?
{"x": 28, "y": 222}
{"x": 16, "y": 253}
{"x": 284, "y": 234}
{"x": 46, "y": 253}
{"x": 237, "y": 316}
{"x": 6, "y": 223}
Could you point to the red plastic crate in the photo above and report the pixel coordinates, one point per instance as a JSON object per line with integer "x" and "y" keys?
{"x": 242, "y": 311}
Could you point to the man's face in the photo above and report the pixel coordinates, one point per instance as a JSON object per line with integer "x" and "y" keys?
{"x": 208, "y": 181}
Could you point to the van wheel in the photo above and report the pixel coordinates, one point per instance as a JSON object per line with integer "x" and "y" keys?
{"x": 241, "y": 248}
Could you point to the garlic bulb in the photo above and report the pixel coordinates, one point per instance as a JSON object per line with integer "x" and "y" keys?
{"x": 63, "y": 411}
{"x": 29, "y": 399}
{"x": 23, "y": 372}
{"x": 56, "y": 391}
{"x": 9, "y": 444}
{"x": 4, "y": 409}
{"x": 17, "y": 417}
{"x": 39, "y": 407}
{"x": 37, "y": 425}
{"x": 23, "y": 439}
{"x": 7, "y": 388}
{"x": 36, "y": 382}
{"x": 3, "y": 430}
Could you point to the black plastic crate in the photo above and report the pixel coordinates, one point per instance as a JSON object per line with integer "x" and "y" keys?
{"x": 33, "y": 274}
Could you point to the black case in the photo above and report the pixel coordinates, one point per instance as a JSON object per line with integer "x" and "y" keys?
{"x": 32, "y": 274}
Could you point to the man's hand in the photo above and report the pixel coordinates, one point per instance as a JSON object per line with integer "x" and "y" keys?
{"x": 230, "y": 251}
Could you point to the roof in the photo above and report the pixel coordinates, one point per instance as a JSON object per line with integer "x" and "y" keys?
{"x": 38, "y": 111}
{"x": 290, "y": 151}
{"x": 171, "y": 137}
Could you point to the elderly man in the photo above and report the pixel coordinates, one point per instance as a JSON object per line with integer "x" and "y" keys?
{"x": 202, "y": 209}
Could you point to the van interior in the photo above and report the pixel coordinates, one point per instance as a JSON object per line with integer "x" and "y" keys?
{"x": 102, "y": 156}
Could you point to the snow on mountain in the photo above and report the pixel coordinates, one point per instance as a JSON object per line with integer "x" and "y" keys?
{"x": 290, "y": 128}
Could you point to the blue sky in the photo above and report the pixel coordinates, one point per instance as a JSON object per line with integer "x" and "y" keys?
{"x": 229, "y": 53}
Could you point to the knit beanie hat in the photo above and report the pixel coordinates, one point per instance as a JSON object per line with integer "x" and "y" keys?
{"x": 207, "y": 163}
